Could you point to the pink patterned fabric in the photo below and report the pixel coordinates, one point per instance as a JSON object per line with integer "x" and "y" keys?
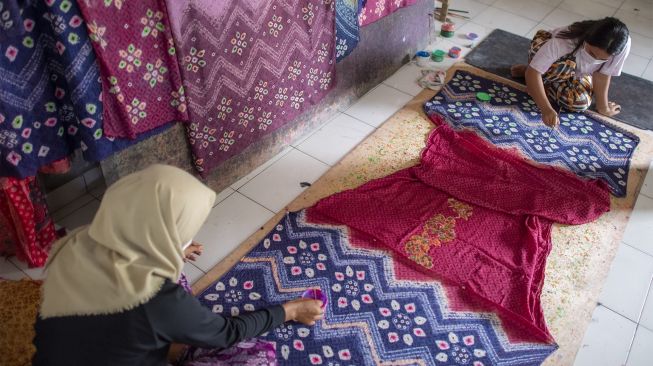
{"x": 475, "y": 215}
{"x": 141, "y": 82}
{"x": 377, "y": 9}
{"x": 250, "y": 67}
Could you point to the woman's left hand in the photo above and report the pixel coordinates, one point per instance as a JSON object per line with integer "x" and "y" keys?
{"x": 193, "y": 251}
{"x": 610, "y": 110}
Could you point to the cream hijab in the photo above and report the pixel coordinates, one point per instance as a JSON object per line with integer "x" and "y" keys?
{"x": 132, "y": 246}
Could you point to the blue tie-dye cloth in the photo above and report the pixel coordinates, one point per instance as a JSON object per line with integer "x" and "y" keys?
{"x": 50, "y": 91}
{"x": 584, "y": 143}
{"x": 347, "y": 28}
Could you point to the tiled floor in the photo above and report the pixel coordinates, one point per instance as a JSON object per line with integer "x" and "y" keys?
{"x": 621, "y": 331}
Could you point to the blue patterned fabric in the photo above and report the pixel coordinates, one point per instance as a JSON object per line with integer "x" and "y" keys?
{"x": 371, "y": 317}
{"x": 584, "y": 143}
{"x": 347, "y": 27}
{"x": 49, "y": 89}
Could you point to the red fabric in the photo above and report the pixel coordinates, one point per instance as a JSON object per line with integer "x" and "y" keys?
{"x": 141, "y": 80}
{"x": 481, "y": 216}
{"x": 377, "y": 9}
{"x": 26, "y": 229}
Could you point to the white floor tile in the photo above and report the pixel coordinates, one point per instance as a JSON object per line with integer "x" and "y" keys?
{"x": 590, "y": 9}
{"x": 33, "y": 273}
{"x": 647, "y": 187}
{"x": 192, "y": 272}
{"x": 635, "y": 65}
{"x": 98, "y": 191}
{"x": 279, "y": 184}
{"x": 378, "y": 105}
{"x": 647, "y": 314}
{"x": 223, "y": 195}
{"x": 607, "y": 339}
{"x": 66, "y": 193}
{"x": 405, "y": 79}
{"x": 336, "y": 139}
{"x": 561, "y": 18}
{"x": 73, "y": 206}
{"x": 93, "y": 177}
{"x": 554, "y": 3}
{"x": 82, "y": 216}
{"x": 490, "y": 2}
{"x": 641, "y": 353}
{"x": 610, "y": 3}
{"x": 541, "y": 26}
{"x": 9, "y": 271}
{"x": 531, "y": 9}
{"x": 241, "y": 182}
{"x": 648, "y": 73}
{"x": 642, "y": 8}
{"x": 473, "y": 7}
{"x": 229, "y": 224}
{"x": 636, "y": 23}
{"x": 497, "y": 18}
{"x": 640, "y": 226}
{"x": 628, "y": 281}
{"x": 641, "y": 45}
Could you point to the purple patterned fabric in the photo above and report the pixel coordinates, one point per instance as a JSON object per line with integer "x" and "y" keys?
{"x": 250, "y": 67}
{"x": 248, "y": 353}
{"x": 253, "y": 352}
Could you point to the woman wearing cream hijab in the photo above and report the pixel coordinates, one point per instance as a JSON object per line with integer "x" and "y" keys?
{"x": 110, "y": 296}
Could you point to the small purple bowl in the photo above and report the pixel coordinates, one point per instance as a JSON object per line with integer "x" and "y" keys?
{"x": 315, "y": 294}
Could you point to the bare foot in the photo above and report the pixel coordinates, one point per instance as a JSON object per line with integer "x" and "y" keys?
{"x": 518, "y": 71}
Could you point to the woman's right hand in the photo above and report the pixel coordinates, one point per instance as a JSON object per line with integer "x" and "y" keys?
{"x": 305, "y": 311}
{"x": 550, "y": 118}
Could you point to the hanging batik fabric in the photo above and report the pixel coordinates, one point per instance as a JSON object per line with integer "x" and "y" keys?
{"x": 49, "y": 90}
{"x": 250, "y": 67}
{"x": 26, "y": 229}
{"x": 141, "y": 82}
{"x": 475, "y": 215}
{"x": 347, "y": 28}
{"x": 377, "y": 9}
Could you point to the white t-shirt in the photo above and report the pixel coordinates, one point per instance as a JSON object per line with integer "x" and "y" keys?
{"x": 555, "y": 48}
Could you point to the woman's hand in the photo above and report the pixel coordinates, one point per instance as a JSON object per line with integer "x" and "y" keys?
{"x": 305, "y": 311}
{"x": 609, "y": 110}
{"x": 193, "y": 251}
{"x": 550, "y": 118}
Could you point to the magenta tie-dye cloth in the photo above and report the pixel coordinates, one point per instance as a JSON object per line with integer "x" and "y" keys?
{"x": 377, "y": 9}
{"x": 250, "y": 67}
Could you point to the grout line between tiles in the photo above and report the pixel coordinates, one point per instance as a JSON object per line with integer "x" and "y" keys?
{"x": 258, "y": 203}
{"x": 80, "y": 207}
{"x": 637, "y": 249}
{"x": 290, "y": 149}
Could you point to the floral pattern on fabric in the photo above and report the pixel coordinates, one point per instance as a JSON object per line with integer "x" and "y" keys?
{"x": 347, "y": 28}
{"x": 377, "y": 9}
{"x": 50, "y": 105}
{"x": 437, "y": 230}
{"x": 140, "y": 73}
{"x": 249, "y": 69}
{"x": 372, "y": 316}
{"x": 26, "y": 228}
{"x": 585, "y": 142}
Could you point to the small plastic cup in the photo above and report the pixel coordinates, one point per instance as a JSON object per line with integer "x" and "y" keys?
{"x": 315, "y": 294}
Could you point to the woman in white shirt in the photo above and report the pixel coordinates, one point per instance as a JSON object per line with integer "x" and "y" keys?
{"x": 572, "y": 65}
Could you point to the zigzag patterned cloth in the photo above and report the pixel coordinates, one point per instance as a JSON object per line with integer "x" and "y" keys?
{"x": 49, "y": 89}
{"x": 379, "y": 311}
{"x": 347, "y": 28}
{"x": 584, "y": 143}
{"x": 249, "y": 67}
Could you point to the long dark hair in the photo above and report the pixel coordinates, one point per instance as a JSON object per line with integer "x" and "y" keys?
{"x": 609, "y": 34}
